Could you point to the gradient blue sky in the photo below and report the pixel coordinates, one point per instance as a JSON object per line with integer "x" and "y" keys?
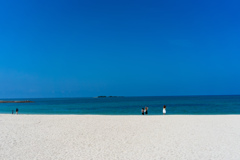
{"x": 64, "y": 48}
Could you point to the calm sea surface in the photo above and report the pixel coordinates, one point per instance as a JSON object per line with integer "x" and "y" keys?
{"x": 127, "y": 105}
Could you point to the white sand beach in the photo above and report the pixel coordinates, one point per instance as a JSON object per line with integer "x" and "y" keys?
{"x": 99, "y": 137}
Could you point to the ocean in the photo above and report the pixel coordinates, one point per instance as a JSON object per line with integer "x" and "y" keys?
{"x": 175, "y": 105}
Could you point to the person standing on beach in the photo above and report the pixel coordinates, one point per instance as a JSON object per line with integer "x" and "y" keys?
{"x": 142, "y": 111}
{"x": 12, "y": 111}
{"x": 146, "y": 110}
{"x": 16, "y": 110}
{"x": 164, "y": 110}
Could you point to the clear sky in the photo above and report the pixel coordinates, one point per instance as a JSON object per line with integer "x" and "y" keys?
{"x": 66, "y": 48}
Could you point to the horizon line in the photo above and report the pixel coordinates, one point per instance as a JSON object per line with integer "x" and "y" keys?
{"x": 126, "y": 96}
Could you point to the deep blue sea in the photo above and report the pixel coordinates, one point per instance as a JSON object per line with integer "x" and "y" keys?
{"x": 195, "y": 105}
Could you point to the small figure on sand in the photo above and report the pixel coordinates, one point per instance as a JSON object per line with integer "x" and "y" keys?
{"x": 164, "y": 110}
{"x": 142, "y": 111}
{"x": 16, "y": 110}
{"x": 12, "y": 111}
{"x": 146, "y": 110}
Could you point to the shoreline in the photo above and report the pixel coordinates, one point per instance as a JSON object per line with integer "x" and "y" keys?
{"x": 122, "y": 115}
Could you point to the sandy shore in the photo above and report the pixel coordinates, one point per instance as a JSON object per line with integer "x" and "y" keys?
{"x": 85, "y": 137}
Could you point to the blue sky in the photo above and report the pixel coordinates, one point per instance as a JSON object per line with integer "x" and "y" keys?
{"x": 129, "y": 48}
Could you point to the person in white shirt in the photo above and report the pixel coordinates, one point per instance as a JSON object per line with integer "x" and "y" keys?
{"x": 164, "y": 110}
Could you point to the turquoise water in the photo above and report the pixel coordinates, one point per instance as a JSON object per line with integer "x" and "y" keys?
{"x": 127, "y": 105}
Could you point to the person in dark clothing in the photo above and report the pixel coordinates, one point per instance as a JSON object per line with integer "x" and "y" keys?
{"x": 16, "y": 110}
{"x": 142, "y": 111}
{"x": 12, "y": 111}
{"x": 146, "y": 110}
